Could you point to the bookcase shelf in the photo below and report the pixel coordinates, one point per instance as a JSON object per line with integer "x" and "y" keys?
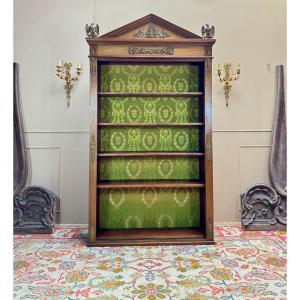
{"x": 146, "y": 154}
{"x": 151, "y": 124}
{"x": 151, "y": 184}
{"x": 150, "y": 171}
{"x": 152, "y": 94}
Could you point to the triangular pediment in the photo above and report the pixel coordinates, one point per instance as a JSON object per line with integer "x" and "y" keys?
{"x": 150, "y": 27}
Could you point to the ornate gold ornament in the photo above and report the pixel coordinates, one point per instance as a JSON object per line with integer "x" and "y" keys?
{"x": 159, "y": 51}
{"x": 92, "y": 30}
{"x": 207, "y": 31}
{"x": 93, "y": 148}
{"x": 151, "y": 32}
{"x": 208, "y": 147}
{"x": 228, "y": 78}
{"x": 93, "y": 65}
{"x": 93, "y": 49}
{"x": 64, "y": 72}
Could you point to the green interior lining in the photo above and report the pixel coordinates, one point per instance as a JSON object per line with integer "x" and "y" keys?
{"x": 149, "y": 208}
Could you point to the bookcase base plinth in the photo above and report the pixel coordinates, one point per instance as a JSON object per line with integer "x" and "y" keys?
{"x": 150, "y": 237}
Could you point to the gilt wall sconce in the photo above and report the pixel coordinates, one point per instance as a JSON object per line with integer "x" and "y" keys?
{"x": 63, "y": 71}
{"x": 228, "y": 78}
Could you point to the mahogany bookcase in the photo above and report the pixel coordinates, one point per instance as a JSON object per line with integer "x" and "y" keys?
{"x": 150, "y": 149}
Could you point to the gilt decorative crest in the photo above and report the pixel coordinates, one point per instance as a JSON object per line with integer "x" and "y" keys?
{"x": 208, "y": 32}
{"x": 92, "y": 30}
{"x": 151, "y": 33}
{"x": 159, "y": 51}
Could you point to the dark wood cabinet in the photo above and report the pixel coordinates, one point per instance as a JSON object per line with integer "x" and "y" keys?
{"x": 150, "y": 172}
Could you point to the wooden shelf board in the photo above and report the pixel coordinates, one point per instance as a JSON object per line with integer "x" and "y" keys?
{"x": 166, "y": 236}
{"x": 149, "y": 184}
{"x": 151, "y": 125}
{"x": 154, "y": 94}
{"x": 135, "y": 154}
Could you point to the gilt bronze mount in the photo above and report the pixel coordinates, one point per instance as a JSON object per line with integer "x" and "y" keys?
{"x": 64, "y": 72}
{"x": 228, "y": 78}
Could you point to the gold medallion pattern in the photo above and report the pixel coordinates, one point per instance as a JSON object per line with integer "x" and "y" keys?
{"x": 149, "y": 207}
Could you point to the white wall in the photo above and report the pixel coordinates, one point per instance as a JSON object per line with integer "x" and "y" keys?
{"x": 252, "y": 32}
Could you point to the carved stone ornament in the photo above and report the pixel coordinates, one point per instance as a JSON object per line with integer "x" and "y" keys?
{"x": 157, "y": 51}
{"x": 151, "y": 32}
{"x": 33, "y": 211}
{"x": 261, "y": 208}
{"x": 92, "y": 30}
{"x": 208, "y": 32}
{"x": 264, "y": 207}
{"x": 34, "y": 205}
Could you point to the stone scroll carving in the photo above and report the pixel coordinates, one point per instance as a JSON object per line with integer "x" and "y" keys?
{"x": 34, "y": 205}
{"x": 265, "y": 207}
{"x": 278, "y": 149}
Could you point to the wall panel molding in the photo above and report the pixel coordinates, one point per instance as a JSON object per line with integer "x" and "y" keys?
{"x": 60, "y": 148}
{"x": 241, "y": 130}
{"x": 56, "y": 131}
{"x": 239, "y": 147}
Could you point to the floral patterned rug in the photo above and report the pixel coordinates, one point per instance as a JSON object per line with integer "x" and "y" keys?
{"x": 242, "y": 265}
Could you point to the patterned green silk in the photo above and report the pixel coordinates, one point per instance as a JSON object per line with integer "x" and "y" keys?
{"x": 149, "y": 208}
{"x": 149, "y": 110}
{"x": 148, "y": 168}
{"x": 164, "y": 139}
{"x": 149, "y": 78}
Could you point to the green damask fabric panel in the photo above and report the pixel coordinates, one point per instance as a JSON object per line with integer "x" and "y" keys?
{"x": 149, "y": 208}
{"x": 149, "y": 78}
{"x": 149, "y": 110}
{"x": 149, "y": 139}
{"x": 148, "y": 168}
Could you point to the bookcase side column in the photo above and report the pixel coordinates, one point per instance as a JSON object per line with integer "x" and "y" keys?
{"x": 93, "y": 151}
{"x": 208, "y": 153}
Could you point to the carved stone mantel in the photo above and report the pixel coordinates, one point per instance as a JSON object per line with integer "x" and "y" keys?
{"x": 33, "y": 205}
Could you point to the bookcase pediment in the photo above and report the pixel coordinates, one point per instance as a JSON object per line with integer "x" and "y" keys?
{"x": 151, "y": 27}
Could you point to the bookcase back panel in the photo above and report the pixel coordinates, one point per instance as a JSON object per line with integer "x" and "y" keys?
{"x": 145, "y": 139}
{"x": 149, "y": 110}
{"x": 149, "y": 78}
{"x": 149, "y": 208}
{"x": 150, "y": 168}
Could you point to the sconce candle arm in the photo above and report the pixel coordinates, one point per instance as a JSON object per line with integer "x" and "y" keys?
{"x": 64, "y": 73}
{"x": 228, "y": 78}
